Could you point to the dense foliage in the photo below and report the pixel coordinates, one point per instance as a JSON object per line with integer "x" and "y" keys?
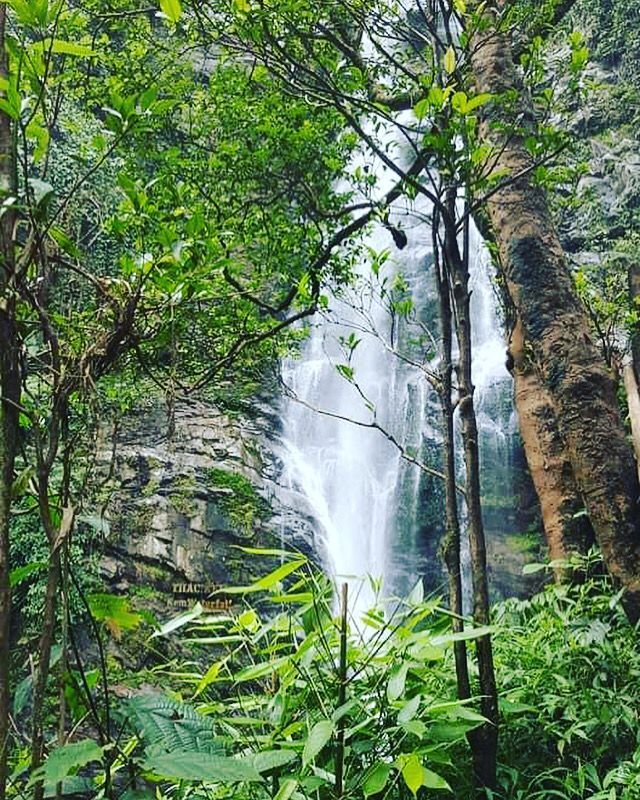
{"x": 180, "y": 186}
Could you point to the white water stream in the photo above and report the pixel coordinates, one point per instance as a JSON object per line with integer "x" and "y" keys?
{"x": 366, "y": 500}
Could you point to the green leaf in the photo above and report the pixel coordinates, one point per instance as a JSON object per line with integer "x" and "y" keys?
{"x": 477, "y": 101}
{"x": 20, "y": 574}
{"x": 180, "y": 621}
{"x": 172, "y": 9}
{"x": 171, "y": 725}
{"x": 318, "y": 737}
{"x": 115, "y": 612}
{"x": 61, "y": 47}
{"x": 531, "y": 569}
{"x": 395, "y": 687}
{"x": 190, "y": 766}
{"x": 412, "y": 772}
{"x": 273, "y": 578}
{"x": 67, "y": 758}
{"x": 261, "y": 670}
{"x": 432, "y": 780}
{"x": 286, "y": 789}
{"x": 463, "y": 636}
{"x": 210, "y": 676}
{"x": 377, "y": 779}
{"x": 422, "y": 108}
{"x": 450, "y": 60}
{"x": 409, "y": 710}
{"x": 272, "y": 759}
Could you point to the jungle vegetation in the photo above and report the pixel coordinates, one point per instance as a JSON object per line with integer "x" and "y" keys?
{"x": 179, "y": 192}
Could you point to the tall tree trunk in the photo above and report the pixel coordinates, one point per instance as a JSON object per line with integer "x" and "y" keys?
{"x": 451, "y": 543}
{"x": 556, "y": 328}
{"x": 484, "y": 739}
{"x": 566, "y": 530}
{"x": 10, "y": 386}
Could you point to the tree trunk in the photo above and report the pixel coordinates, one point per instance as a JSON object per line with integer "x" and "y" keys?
{"x": 566, "y": 530}
{"x": 451, "y": 543}
{"x": 484, "y": 740}
{"x": 556, "y": 328}
{"x": 10, "y": 386}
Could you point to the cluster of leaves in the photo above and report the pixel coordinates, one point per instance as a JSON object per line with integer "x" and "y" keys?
{"x": 296, "y": 701}
{"x": 568, "y": 665}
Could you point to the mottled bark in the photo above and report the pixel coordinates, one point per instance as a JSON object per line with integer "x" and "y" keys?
{"x": 10, "y": 384}
{"x": 566, "y": 530}
{"x": 556, "y": 329}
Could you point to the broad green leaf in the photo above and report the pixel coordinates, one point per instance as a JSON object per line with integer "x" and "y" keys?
{"x": 272, "y": 759}
{"x": 189, "y": 766}
{"x": 169, "y": 725}
{"x": 115, "y": 612}
{"x": 459, "y": 102}
{"x": 432, "y": 780}
{"x": 412, "y": 772}
{"x": 318, "y": 737}
{"x": 450, "y": 60}
{"x": 409, "y": 710}
{"x": 377, "y": 779}
{"x": 172, "y": 9}
{"x": 422, "y": 108}
{"x": 249, "y": 620}
{"x": 69, "y": 757}
{"x": 477, "y": 101}
{"x": 395, "y": 687}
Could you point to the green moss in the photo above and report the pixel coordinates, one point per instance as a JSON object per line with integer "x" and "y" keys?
{"x": 242, "y": 505}
{"x": 183, "y": 489}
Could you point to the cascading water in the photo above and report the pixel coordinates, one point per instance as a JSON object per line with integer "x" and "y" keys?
{"x": 377, "y": 515}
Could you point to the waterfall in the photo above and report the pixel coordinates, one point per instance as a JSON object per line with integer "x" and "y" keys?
{"x": 370, "y": 506}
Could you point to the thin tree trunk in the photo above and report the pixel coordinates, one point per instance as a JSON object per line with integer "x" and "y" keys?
{"x": 451, "y": 543}
{"x": 566, "y": 530}
{"x": 485, "y": 738}
{"x": 10, "y": 390}
{"x": 556, "y": 328}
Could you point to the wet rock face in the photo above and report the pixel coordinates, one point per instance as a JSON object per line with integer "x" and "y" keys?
{"x": 179, "y": 506}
